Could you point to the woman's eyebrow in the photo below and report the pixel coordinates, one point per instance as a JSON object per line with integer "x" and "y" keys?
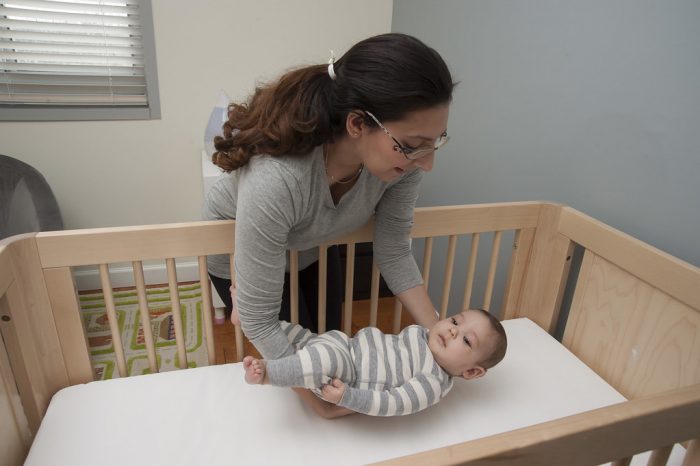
{"x": 426, "y": 138}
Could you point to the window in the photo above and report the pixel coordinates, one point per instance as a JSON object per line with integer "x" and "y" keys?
{"x": 77, "y": 60}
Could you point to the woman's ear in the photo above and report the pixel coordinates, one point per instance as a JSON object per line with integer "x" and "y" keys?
{"x": 474, "y": 373}
{"x": 355, "y": 123}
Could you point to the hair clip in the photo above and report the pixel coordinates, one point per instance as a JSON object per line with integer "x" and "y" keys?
{"x": 331, "y": 61}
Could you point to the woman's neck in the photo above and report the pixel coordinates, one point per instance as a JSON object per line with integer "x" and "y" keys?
{"x": 342, "y": 161}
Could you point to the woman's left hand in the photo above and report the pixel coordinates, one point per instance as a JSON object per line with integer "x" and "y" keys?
{"x": 235, "y": 318}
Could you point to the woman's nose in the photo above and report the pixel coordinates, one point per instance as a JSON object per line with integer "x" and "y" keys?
{"x": 425, "y": 163}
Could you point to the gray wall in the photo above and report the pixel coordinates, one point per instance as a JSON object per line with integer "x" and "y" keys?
{"x": 591, "y": 103}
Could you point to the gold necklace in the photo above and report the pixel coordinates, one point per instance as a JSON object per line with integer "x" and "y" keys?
{"x": 350, "y": 179}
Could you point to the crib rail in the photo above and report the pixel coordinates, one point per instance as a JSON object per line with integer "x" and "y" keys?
{"x": 585, "y": 439}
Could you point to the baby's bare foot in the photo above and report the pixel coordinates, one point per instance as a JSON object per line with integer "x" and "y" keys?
{"x": 254, "y": 370}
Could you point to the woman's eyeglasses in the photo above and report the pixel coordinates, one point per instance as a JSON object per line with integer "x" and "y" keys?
{"x": 409, "y": 152}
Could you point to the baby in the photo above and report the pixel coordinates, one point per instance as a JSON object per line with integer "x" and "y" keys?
{"x": 386, "y": 375}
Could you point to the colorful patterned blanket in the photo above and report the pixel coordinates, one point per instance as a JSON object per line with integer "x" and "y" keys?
{"x": 129, "y": 317}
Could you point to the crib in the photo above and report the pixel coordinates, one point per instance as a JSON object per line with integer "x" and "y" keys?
{"x": 634, "y": 319}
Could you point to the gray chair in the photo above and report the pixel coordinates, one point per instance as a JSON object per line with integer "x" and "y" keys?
{"x": 27, "y": 203}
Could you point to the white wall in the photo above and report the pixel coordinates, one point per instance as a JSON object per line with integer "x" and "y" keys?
{"x": 111, "y": 173}
{"x": 591, "y": 103}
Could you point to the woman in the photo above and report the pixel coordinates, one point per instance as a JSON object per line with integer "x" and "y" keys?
{"x": 314, "y": 156}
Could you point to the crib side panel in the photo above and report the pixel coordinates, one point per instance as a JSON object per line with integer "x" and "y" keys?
{"x": 635, "y": 315}
{"x": 108, "y": 249}
{"x": 30, "y": 333}
{"x": 661, "y": 270}
{"x": 638, "y": 338}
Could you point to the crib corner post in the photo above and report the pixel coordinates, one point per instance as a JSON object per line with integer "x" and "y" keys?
{"x": 32, "y": 343}
{"x": 69, "y": 325}
{"x": 547, "y": 271}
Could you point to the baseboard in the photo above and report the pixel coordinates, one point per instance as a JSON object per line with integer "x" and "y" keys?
{"x": 123, "y": 276}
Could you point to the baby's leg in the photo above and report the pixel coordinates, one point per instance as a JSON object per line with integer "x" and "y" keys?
{"x": 254, "y": 370}
{"x": 324, "y": 358}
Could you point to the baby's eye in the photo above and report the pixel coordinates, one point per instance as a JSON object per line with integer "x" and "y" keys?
{"x": 454, "y": 321}
{"x": 466, "y": 340}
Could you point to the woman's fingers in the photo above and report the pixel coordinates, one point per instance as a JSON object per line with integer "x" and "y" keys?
{"x": 235, "y": 318}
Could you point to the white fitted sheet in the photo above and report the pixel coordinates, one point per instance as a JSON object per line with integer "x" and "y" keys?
{"x": 211, "y": 416}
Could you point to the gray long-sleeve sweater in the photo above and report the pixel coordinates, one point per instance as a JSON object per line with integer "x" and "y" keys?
{"x": 283, "y": 203}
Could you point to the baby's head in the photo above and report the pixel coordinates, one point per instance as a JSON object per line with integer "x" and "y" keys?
{"x": 468, "y": 344}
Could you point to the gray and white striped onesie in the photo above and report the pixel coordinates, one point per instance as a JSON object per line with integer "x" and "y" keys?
{"x": 385, "y": 375}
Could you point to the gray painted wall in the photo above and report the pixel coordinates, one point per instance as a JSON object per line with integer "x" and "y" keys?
{"x": 591, "y": 103}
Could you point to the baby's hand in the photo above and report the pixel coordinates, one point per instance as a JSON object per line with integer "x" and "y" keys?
{"x": 333, "y": 392}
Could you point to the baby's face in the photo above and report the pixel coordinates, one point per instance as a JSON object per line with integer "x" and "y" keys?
{"x": 460, "y": 342}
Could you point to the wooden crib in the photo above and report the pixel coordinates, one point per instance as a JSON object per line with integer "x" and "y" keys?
{"x": 634, "y": 319}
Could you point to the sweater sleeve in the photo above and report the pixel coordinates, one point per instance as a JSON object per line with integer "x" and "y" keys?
{"x": 393, "y": 222}
{"x": 268, "y": 200}
{"x": 415, "y": 395}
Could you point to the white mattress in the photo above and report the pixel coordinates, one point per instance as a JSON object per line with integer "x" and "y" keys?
{"x": 211, "y": 416}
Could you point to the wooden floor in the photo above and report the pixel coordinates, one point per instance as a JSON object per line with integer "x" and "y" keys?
{"x": 225, "y": 341}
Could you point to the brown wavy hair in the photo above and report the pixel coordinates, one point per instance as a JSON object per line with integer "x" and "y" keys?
{"x": 389, "y": 75}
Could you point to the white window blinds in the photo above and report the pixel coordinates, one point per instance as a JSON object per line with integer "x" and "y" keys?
{"x": 72, "y": 53}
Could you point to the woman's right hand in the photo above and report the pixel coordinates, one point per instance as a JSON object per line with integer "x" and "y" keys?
{"x": 235, "y": 318}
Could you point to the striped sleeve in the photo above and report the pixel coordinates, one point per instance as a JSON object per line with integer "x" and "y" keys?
{"x": 415, "y": 395}
{"x": 297, "y": 335}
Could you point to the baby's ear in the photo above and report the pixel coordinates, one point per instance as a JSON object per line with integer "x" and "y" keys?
{"x": 473, "y": 373}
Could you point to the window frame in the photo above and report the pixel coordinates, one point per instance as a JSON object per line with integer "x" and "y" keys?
{"x": 103, "y": 112}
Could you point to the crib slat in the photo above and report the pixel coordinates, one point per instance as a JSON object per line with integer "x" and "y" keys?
{"x": 622, "y": 462}
{"x": 349, "y": 282}
{"x": 659, "y": 457}
{"x": 69, "y": 325}
{"x": 471, "y": 268}
{"x": 692, "y": 454}
{"x": 522, "y": 244}
{"x": 113, "y": 321}
{"x": 145, "y": 316}
{"x": 396, "y": 328}
{"x": 205, "y": 288}
{"x": 449, "y": 266}
{"x": 177, "y": 317}
{"x": 294, "y": 285}
{"x": 427, "y": 256}
{"x": 238, "y": 331}
{"x": 374, "y": 295}
{"x": 495, "y": 250}
{"x": 322, "y": 279}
